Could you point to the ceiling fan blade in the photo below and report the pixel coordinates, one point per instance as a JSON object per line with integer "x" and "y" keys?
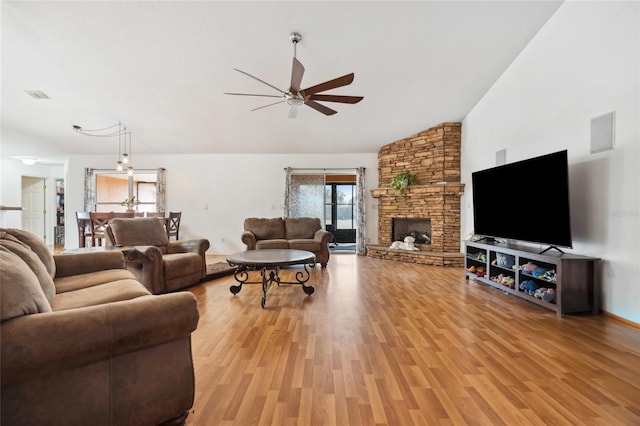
{"x": 261, "y": 81}
{"x": 297, "y": 71}
{"x": 328, "y": 85}
{"x": 321, "y": 108}
{"x": 293, "y": 111}
{"x": 336, "y": 98}
{"x": 264, "y": 106}
{"x": 252, "y": 94}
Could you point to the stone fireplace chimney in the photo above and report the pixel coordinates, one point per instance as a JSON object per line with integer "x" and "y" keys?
{"x": 433, "y": 157}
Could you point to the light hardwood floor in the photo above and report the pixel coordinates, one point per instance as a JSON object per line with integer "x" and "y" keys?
{"x": 390, "y": 343}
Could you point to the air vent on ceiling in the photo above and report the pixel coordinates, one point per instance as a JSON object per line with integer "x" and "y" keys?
{"x": 37, "y": 94}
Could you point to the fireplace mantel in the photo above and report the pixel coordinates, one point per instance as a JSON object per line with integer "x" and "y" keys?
{"x": 419, "y": 190}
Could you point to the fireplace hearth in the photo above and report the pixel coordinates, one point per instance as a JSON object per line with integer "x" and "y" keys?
{"x": 418, "y": 228}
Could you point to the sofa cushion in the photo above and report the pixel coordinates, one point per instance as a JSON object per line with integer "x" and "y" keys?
{"x": 272, "y": 244}
{"x": 24, "y": 252}
{"x": 301, "y": 227}
{"x": 305, "y": 244}
{"x": 139, "y": 232}
{"x": 38, "y": 247}
{"x": 265, "y": 228}
{"x": 114, "y": 291}
{"x": 20, "y": 291}
{"x": 76, "y": 282}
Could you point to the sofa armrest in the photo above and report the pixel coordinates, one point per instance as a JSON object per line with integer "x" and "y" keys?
{"x": 145, "y": 263}
{"x": 325, "y": 237}
{"x": 38, "y": 345}
{"x": 84, "y": 263}
{"x": 199, "y": 246}
{"x": 249, "y": 238}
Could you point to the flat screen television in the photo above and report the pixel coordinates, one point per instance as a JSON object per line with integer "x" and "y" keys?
{"x": 526, "y": 200}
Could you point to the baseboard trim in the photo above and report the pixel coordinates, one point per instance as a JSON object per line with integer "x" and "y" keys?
{"x": 621, "y": 320}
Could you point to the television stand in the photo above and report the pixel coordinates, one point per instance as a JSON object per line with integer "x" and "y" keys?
{"x": 562, "y": 282}
{"x": 550, "y": 248}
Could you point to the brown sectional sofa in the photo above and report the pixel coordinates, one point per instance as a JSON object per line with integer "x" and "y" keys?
{"x": 84, "y": 343}
{"x": 299, "y": 233}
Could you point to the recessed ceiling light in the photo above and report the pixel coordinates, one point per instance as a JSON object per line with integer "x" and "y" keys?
{"x": 37, "y": 94}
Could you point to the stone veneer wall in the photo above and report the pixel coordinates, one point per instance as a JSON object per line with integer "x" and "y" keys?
{"x": 433, "y": 156}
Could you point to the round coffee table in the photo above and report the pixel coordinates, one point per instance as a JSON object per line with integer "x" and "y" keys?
{"x": 272, "y": 260}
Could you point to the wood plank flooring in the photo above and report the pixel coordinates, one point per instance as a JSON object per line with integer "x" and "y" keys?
{"x": 391, "y": 343}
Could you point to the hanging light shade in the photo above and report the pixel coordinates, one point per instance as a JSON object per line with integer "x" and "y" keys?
{"x": 119, "y": 167}
{"x": 127, "y": 159}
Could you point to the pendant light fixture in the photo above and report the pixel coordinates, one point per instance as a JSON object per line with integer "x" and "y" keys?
{"x": 127, "y": 159}
{"x": 119, "y": 166}
{"x": 119, "y": 130}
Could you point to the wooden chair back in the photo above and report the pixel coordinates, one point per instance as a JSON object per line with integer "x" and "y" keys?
{"x": 84, "y": 228}
{"x": 124, "y": 214}
{"x": 173, "y": 225}
{"x": 99, "y": 222}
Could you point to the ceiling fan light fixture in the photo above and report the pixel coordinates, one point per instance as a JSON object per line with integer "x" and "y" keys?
{"x": 294, "y": 101}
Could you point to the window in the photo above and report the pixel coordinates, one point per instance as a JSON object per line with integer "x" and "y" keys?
{"x": 119, "y": 192}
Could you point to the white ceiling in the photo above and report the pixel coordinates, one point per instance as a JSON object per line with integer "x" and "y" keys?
{"x": 161, "y": 69}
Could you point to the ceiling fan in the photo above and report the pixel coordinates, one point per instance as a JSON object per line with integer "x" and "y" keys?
{"x": 310, "y": 96}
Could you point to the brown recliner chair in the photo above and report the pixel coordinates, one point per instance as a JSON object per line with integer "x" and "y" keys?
{"x": 161, "y": 265}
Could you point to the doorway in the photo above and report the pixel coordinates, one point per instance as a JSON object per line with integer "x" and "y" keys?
{"x": 340, "y": 211}
{"x": 336, "y": 196}
{"x": 33, "y": 206}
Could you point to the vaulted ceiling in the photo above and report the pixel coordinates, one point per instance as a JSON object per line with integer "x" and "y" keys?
{"x": 162, "y": 67}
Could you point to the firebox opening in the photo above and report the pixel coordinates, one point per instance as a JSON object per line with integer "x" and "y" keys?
{"x": 418, "y": 228}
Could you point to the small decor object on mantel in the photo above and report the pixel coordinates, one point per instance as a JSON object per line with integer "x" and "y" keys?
{"x": 401, "y": 182}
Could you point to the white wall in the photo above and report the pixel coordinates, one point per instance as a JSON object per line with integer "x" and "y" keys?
{"x": 216, "y": 192}
{"x": 582, "y": 64}
{"x": 11, "y": 191}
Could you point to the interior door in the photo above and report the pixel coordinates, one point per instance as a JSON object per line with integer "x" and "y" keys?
{"x": 33, "y": 206}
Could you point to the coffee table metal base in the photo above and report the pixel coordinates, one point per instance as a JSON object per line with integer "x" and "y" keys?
{"x": 269, "y": 262}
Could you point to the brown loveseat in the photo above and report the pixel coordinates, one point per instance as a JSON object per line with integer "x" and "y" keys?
{"x": 162, "y": 266}
{"x": 83, "y": 343}
{"x": 300, "y": 233}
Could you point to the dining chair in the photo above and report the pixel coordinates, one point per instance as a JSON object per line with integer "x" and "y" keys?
{"x": 173, "y": 224}
{"x": 124, "y": 214}
{"x": 99, "y": 221}
{"x": 84, "y": 228}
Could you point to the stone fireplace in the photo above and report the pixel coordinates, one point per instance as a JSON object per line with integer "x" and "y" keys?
{"x": 433, "y": 156}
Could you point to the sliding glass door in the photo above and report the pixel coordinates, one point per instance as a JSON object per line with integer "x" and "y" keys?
{"x": 335, "y": 196}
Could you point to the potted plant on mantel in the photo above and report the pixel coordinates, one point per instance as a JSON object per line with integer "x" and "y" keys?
{"x": 401, "y": 181}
